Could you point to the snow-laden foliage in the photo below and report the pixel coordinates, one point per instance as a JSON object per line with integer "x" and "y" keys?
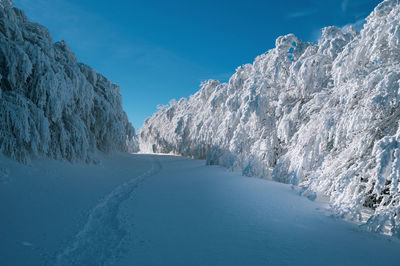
{"x": 51, "y": 105}
{"x": 321, "y": 116}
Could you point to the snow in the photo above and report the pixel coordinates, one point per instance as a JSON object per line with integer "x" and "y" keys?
{"x": 47, "y": 203}
{"x": 51, "y": 105}
{"x": 321, "y": 116}
{"x": 169, "y": 210}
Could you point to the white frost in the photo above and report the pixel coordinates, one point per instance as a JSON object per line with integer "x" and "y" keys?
{"x": 322, "y": 116}
{"x": 51, "y": 105}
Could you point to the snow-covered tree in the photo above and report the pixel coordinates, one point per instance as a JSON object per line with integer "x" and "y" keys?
{"x": 322, "y": 116}
{"x": 51, "y": 105}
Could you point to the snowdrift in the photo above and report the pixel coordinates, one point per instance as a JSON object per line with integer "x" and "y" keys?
{"x": 321, "y": 116}
{"x": 51, "y": 105}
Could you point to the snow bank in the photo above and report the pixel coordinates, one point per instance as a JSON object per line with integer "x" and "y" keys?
{"x": 322, "y": 116}
{"x": 51, "y": 105}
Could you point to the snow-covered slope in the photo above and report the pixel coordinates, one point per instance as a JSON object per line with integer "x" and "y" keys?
{"x": 322, "y": 116}
{"x": 136, "y": 209}
{"x": 51, "y": 105}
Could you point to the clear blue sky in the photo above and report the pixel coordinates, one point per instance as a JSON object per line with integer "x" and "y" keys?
{"x": 156, "y": 50}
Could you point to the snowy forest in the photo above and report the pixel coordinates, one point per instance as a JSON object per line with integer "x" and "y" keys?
{"x": 51, "y": 105}
{"x": 324, "y": 117}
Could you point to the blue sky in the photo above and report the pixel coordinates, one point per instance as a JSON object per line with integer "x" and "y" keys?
{"x": 157, "y": 50}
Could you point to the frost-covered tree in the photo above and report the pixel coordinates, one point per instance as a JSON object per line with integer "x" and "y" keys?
{"x": 51, "y": 105}
{"x": 322, "y": 116}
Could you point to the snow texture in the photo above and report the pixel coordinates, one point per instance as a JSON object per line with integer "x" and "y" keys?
{"x": 51, "y": 105}
{"x": 102, "y": 234}
{"x": 137, "y": 209}
{"x": 321, "y": 116}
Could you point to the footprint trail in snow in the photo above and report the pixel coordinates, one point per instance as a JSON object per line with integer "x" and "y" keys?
{"x": 99, "y": 240}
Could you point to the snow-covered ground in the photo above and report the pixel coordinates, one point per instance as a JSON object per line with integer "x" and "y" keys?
{"x": 44, "y": 206}
{"x": 168, "y": 210}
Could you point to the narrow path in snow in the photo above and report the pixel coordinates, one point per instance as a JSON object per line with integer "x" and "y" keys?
{"x": 100, "y": 238}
